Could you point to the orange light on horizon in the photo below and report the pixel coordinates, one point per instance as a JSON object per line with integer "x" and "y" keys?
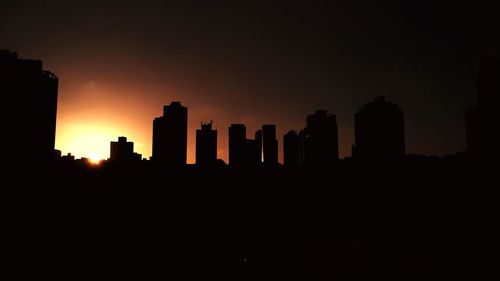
{"x": 91, "y": 139}
{"x": 94, "y": 158}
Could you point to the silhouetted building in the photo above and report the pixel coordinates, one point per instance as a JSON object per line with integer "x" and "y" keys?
{"x": 122, "y": 150}
{"x": 259, "y": 143}
{"x": 302, "y": 141}
{"x": 57, "y": 154}
{"x": 488, "y": 84}
{"x": 291, "y": 149}
{"x": 379, "y": 131}
{"x": 269, "y": 145}
{"x": 472, "y": 125}
{"x": 237, "y": 140}
{"x": 481, "y": 124}
{"x": 243, "y": 151}
{"x": 252, "y": 152}
{"x": 170, "y": 135}
{"x": 26, "y": 86}
{"x": 68, "y": 157}
{"x": 320, "y": 139}
{"x": 206, "y": 145}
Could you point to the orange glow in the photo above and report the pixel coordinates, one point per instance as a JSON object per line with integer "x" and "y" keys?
{"x": 95, "y": 107}
{"x": 91, "y": 140}
{"x": 95, "y": 159}
{"x": 92, "y": 115}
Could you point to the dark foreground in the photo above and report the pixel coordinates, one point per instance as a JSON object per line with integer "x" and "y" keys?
{"x": 412, "y": 220}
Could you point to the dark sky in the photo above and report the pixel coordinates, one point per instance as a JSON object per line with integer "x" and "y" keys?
{"x": 255, "y": 62}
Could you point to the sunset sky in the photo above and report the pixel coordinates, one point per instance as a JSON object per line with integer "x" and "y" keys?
{"x": 252, "y": 62}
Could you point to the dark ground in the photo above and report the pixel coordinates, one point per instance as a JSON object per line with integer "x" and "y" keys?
{"x": 416, "y": 219}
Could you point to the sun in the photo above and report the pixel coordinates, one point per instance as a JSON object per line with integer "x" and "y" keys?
{"x": 94, "y": 158}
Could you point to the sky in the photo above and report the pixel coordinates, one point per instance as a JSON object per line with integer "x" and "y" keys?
{"x": 253, "y": 62}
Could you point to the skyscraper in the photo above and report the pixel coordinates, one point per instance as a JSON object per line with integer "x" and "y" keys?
{"x": 482, "y": 132}
{"x": 170, "y": 135}
{"x": 488, "y": 83}
{"x": 472, "y": 127}
{"x": 237, "y": 140}
{"x": 206, "y": 145}
{"x": 379, "y": 131}
{"x": 259, "y": 144}
{"x": 25, "y": 85}
{"x": 291, "y": 149}
{"x": 320, "y": 139}
{"x": 252, "y": 152}
{"x": 243, "y": 151}
{"x": 269, "y": 145}
{"x": 121, "y": 150}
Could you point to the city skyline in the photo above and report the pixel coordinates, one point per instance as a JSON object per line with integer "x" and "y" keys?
{"x": 252, "y": 63}
{"x": 249, "y": 140}
{"x": 96, "y": 135}
{"x": 379, "y": 137}
{"x": 379, "y": 127}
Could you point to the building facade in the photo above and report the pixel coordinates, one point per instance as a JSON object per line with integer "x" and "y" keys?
{"x": 269, "y": 145}
{"x": 121, "y": 150}
{"x": 170, "y": 135}
{"x": 206, "y": 145}
{"x": 379, "y": 131}
{"x": 24, "y": 84}
{"x": 291, "y": 149}
{"x": 320, "y": 139}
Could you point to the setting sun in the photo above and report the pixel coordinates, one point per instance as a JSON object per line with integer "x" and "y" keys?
{"x": 94, "y": 158}
{"x": 91, "y": 138}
